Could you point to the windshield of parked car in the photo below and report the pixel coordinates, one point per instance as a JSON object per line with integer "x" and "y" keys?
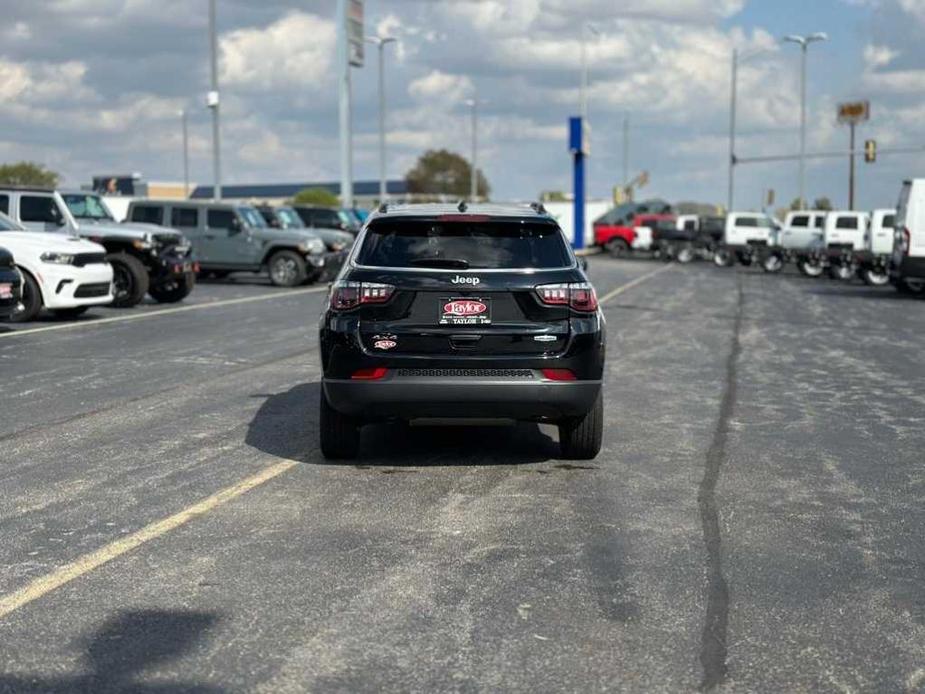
{"x": 87, "y": 207}
{"x": 253, "y": 218}
{"x": 464, "y": 245}
{"x": 289, "y": 218}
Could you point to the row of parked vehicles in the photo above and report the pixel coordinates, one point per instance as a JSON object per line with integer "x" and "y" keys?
{"x": 69, "y": 253}
{"x": 879, "y": 247}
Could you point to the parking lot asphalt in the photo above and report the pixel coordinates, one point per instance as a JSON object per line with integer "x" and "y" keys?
{"x": 753, "y": 523}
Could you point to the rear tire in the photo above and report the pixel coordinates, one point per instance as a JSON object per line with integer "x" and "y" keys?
{"x": 873, "y": 278}
{"x": 685, "y": 254}
{"x": 339, "y": 433}
{"x": 618, "y": 248}
{"x": 287, "y": 269}
{"x": 842, "y": 273}
{"x": 129, "y": 278}
{"x": 173, "y": 291}
{"x": 68, "y": 313}
{"x": 722, "y": 258}
{"x": 810, "y": 268}
{"x": 581, "y": 438}
{"x": 772, "y": 263}
{"x": 911, "y": 287}
{"x": 31, "y": 300}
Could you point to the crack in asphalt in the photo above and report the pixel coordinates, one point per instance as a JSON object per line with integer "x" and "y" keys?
{"x": 713, "y": 648}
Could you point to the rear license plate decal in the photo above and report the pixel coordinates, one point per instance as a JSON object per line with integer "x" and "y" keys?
{"x": 468, "y": 311}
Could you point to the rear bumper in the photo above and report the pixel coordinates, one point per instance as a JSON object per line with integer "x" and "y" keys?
{"x": 532, "y": 399}
{"x": 909, "y": 268}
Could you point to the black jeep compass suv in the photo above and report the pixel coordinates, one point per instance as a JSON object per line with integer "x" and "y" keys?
{"x": 446, "y": 311}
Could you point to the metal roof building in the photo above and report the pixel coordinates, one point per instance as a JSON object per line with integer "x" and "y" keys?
{"x": 365, "y": 192}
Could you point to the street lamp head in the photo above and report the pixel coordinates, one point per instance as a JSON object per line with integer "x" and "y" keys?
{"x": 380, "y": 40}
{"x": 818, "y": 36}
{"x": 794, "y": 38}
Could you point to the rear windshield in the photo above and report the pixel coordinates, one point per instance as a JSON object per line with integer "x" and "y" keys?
{"x": 463, "y": 245}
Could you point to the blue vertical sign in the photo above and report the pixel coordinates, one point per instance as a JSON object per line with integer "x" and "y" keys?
{"x": 577, "y": 144}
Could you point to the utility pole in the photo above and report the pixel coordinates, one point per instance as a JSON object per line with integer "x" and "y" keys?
{"x": 343, "y": 71}
{"x": 852, "y": 125}
{"x": 474, "y": 164}
{"x": 380, "y": 43}
{"x": 803, "y": 42}
{"x": 183, "y": 118}
{"x": 213, "y": 103}
{"x": 730, "y": 197}
{"x": 626, "y": 149}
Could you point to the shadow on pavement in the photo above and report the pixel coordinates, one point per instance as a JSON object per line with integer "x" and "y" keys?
{"x": 120, "y": 653}
{"x": 286, "y": 426}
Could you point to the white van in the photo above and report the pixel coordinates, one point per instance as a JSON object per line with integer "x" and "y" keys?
{"x": 907, "y": 269}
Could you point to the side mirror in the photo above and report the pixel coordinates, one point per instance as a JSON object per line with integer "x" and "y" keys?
{"x": 236, "y": 226}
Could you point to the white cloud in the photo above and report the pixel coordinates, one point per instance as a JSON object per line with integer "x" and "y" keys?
{"x": 436, "y": 85}
{"x": 294, "y": 52}
{"x": 878, "y": 56}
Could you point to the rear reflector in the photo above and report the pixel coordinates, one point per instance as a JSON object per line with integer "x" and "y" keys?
{"x": 559, "y": 374}
{"x": 373, "y": 374}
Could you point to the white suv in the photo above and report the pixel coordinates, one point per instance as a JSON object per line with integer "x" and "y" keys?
{"x": 907, "y": 268}
{"x": 65, "y": 274}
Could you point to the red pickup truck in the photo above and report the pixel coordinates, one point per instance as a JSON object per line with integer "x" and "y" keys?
{"x": 618, "y": 236}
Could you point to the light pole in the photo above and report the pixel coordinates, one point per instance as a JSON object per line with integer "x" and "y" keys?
{"x": 737, "y": 59}
{"x": 474, "y": 165}
{"x": 213, "y": 103}
{"x": 183, "y": 120}
{"x": 586, "y": 28}
{"x": 380, "y": 42}
{"x": 626, "y": 149}
{"x": 803, "y": 42}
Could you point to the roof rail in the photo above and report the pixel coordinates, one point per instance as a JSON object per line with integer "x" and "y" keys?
{"x": 383, "y": 208}
{"x": 538, "y": 207}
{"x": 462, "y": 207}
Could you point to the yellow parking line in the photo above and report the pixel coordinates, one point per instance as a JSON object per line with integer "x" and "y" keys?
{"x": 87, "y": 563}
{"x": 165, "y": 311}
{"x": 629, "y": 285}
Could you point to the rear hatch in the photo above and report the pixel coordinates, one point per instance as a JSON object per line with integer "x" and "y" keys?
{"x": 465, "y": 287}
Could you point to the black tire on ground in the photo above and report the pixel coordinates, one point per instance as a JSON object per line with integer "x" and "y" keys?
{"x": 339, "y": 433}
{"x": 685, "y": 254}
{"x": 31, "y": 299}
{"x": 745, "y": 260}
{"x": 873, "y": 278}
{"x": 842, "y": 273}
{"x": 175, "y": 290}
{"x": 129, "y": 278}
{"x": 286, "y": 269}
{"x": 810, "y": 268}
{"x": 772, "y": 263}
{"x": 580, "y": 439}
{"x": 72, "y": 312}
{"x": 911, "y": 287}
{"x": 723, "y": 258}
{"x": 618, "y": 248}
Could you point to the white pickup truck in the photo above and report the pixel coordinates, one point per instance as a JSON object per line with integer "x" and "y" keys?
{"x": 746, "y": 238}
{"x": 852, "y": 243}
{"x": 801, "y": 231}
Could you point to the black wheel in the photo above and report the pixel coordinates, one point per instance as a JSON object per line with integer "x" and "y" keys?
{"x": 287, "y": 269}
{"x": 841, "y": 272}
{"x": 73, "y": 312}
{"x": 911, "y": 287}
{"x": 175, "y": 290}
{"x": 723, "y": 258}
{"x": 772, "y": 263}
{"x": 811, "y": 267}
{"x": 31, "y": 300}
{"x": 339, "y": 434}
{"x": 129, "y": 280}
{"x": 618, "y": 248}
{"x": 745, "y": 260}
{"x": 580, "y": 439}
{"x": 685, "y": 254}
{"x": 875, "y": 278}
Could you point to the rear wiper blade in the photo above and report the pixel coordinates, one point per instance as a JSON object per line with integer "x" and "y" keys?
{"x": 456, "y": 263}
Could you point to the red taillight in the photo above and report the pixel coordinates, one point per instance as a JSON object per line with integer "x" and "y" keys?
{"x": 347, "y": 295}
{"x": 580, "y": 296}
{"x": 907, "y": 241}
{"x": 374, "y": 374}
{"x": 559, "y": 374}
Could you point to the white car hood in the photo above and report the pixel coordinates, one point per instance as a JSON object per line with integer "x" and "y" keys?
{"x": 42, "y": 242}
{"x": 130, "y": 230}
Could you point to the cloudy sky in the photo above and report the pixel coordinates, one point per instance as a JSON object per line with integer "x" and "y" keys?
{"x": 95, "y": 86}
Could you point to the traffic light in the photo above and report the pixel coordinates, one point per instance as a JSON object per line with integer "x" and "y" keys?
{"x": 870, "y": 151}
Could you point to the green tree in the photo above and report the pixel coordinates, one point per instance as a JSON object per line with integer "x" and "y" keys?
{"x": 27, "y": 173}
{"x": 320, "y": 197}
{"x": 441, "y": 172}
{"x": 822, "y": 203}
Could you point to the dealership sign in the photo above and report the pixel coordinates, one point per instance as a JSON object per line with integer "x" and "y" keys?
{"x": 854, "y": 112}
{"x": 355, "y": 35}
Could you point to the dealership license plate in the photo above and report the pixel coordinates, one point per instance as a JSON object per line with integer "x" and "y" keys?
{"x": 467, "y": 311}
{"x": 6, "y": 291}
